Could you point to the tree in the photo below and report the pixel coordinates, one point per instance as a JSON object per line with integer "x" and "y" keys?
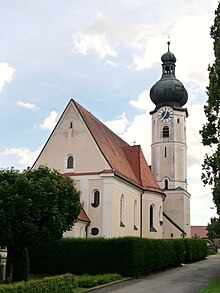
{"x": 214, "y": 229}
{"x": 211, "y": 129}
{"x": 35, "y": 207}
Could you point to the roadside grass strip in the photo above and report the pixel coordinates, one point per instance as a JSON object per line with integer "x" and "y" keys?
{"x": 214, "y": 287}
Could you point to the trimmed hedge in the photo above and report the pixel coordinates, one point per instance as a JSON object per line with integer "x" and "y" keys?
{"x": 196, "y": 249}
{"x": 65, "y": 284}
{"x": 128, "y": 256}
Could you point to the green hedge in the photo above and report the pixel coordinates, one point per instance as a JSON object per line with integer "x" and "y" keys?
{"x": 195, "y": 249}
{"x": 127, "y": 256}
{"x": 65, "y": 284}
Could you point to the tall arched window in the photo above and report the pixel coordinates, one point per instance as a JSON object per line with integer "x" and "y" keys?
{"x": 135, "y": 215}
{"x": 166, "y": 131}
{"x": 152, "y": 218}
{"x": 122, "y": 203}
{"x": 96, "y": 198}
{"x": 70, "y": 162}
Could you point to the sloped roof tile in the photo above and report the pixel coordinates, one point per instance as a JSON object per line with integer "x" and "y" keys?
{"x": 126, "y": 161}
{"x": 83, "y": 216}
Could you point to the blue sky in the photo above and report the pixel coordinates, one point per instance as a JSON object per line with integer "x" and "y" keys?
{"x": 106, "y": 55}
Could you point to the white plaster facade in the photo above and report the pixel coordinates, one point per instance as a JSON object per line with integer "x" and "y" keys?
{"x": 92, "y": 172}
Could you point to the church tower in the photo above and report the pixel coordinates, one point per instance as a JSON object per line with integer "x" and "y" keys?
{"x": 169, "y": 149}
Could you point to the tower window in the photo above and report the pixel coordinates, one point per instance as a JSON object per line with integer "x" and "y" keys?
{"x": 166, "y": 131}
{"x": 178, "y": 121}
{"x": 70, "y": 162}
{"x": 71, "y": 124}
{"x": 165, "y": 152}
{"x": 96, "y": 199}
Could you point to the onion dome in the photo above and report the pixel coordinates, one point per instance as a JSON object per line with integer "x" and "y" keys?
{"x": 168, "y": 91}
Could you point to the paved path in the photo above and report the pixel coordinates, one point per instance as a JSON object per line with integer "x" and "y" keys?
{"x": 190, "y": 278}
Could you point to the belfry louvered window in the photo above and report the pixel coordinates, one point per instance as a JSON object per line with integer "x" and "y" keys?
{"x": 166, "y": 131}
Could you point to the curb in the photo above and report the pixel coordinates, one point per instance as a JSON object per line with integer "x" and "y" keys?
{"x": 93, "y": 289}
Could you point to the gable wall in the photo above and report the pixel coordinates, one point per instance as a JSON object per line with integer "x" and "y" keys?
{"x": 76, "y": 141}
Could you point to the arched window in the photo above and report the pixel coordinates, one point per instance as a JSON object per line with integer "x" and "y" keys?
{"x": 152, "y": 218}
{"x": 135, "y": 215}
{"x": 166, "y": 131}
{"x": 96, "y": 198}
{"x": 122, "y": 203}
{"x": 70, "y": 162}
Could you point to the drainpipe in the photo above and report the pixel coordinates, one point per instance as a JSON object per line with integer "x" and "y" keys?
{"x": 141, "y": 218}
{"x": 87, "y": 229}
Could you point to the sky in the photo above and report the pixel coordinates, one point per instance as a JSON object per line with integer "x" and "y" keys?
{"x": 106, "y": 56}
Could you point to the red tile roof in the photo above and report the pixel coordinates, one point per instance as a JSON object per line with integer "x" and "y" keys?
{"x": 199, "y": 231}
{"x": 126, "y": 161}
{"x": 83, "y": 216}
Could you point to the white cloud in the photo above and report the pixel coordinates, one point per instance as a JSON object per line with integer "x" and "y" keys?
{"x": 6, "y": 74}
{"x": 98, "y": 43}
{"x": 118, "y": 126}
{"x": 50, "y": 121}
{"x": 25, "y": 157}
{"x": 28, "y": 106}
{"x": 151, "y": 53}
{"x": 201, "y": 204}
{"x": 143, "y": 102}
{"x": 195, "y": 52}
{"x": 111, "y": 64}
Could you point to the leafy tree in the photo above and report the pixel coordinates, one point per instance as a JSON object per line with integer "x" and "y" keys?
{"x": 35, "y": 207}
{"x": 211, "y": 129}
{"x": 214, "y": 229}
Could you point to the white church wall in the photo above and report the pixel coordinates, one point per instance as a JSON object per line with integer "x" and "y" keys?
{"x": 77, "y": 231}
{"x": 114, "y": 188}
{"x": 177, "y": 207}
{"x": 155, "y": 199}
{"x": 71, "y": 137}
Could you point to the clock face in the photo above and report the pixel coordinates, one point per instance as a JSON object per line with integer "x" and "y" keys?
{"x": 165, "y": 114}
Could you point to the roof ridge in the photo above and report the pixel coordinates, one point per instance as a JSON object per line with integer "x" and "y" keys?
{"x": 126, "y": 161}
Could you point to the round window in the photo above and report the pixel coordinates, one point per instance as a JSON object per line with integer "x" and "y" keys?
{"x": 94, "y": 231}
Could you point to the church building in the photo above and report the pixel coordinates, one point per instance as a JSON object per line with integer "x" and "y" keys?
{"x": 121, "y": 194}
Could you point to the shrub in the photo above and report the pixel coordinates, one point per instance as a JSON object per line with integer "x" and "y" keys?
{"x": 65, "y": 284}
{"x": 196, "y": 249}
{"x": 128, "y": 256}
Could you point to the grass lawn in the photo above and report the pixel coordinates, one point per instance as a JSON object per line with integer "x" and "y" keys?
{"x": 214, "y": 287}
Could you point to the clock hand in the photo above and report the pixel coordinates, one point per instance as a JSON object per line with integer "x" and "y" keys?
{"x": 165, "y": 114}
